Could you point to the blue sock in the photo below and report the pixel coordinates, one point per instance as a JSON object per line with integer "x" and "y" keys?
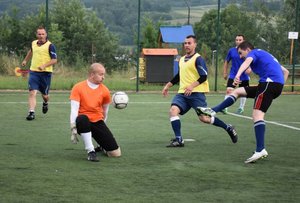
{"x": 226, "y": 103}
{"x": 176, "y": 126}
{"x": 219, "y": 123}
{"x": 259, "y": 128}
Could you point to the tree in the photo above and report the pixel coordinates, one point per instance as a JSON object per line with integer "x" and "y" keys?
{"x": 85, "y": 37}
{"x": 149, "y": 33}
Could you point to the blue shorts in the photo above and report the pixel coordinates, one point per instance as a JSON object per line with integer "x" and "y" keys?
{"x": 185, "y": 103}
{"x": 39, "y": 81}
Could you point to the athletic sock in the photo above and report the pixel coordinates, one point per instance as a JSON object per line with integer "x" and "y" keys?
{"x": 176, "y": 126}
{"x": 87, "y": 140}
{"x": 226, "y": 103}
{"x": 217, "y": 122}
{"x": 242, "y": 102}
{"x": 259, "y": 128}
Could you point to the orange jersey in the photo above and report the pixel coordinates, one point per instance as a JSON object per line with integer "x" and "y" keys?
{"x": 91, "y": 100}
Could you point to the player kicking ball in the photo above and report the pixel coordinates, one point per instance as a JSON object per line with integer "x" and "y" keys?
{"x": 272, "y": 77}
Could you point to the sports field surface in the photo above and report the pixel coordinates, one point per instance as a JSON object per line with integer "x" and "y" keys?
{"x": 38, "y": 163}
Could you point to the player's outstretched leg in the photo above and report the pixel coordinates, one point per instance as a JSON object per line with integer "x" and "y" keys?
{"x": 232, "y": 133}
{"x": 212, "y": 111}
{"x": 205, "y": 111}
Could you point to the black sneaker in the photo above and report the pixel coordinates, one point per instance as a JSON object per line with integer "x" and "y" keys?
{"x": 30, "y": 116}
{"x": 92, "y": 156}
{"x": 45, "y": 107}
{"x": 175, "y": 143}
{"x": 232, "y": 133}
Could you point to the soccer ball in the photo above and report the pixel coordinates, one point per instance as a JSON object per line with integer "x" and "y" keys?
{"x": 120, "y": 100}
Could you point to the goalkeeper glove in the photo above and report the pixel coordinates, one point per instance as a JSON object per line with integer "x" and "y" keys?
{"x": 74, "y": 134}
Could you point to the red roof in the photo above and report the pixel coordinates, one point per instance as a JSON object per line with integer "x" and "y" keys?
{"x": 160, "y": 52}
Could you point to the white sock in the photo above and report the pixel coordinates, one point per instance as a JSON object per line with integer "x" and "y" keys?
{"x": 212, "y": 120}
{"x": 242, "y": 102}
{"x": 87, "y": 140}
{"x": 174, "y": 118}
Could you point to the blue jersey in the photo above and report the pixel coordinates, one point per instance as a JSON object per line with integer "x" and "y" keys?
{"x": 236, "y": 62}
{"x": 266, "y": 66}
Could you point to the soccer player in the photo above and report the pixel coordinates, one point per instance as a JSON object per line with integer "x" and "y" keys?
{"x": 43, "y": 56}
{"x": 193, "y": 85}
{"x": 236, "y": 62}
{"x": 272, "y": 78}
{"x": 90, "y": 101}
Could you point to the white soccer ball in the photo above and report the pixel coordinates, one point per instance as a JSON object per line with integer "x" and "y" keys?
{"x": 120, "y": 100}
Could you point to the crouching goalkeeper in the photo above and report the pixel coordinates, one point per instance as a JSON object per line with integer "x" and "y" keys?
{"x": 90, "y": 101}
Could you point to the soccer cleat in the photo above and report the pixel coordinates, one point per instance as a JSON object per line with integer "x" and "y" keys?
{"x": 205, "y": 111}
{"x": 232, "y": 133}
{"x": 45, "y": 107}
{"x": 224, "y": 111}
{"x": 30, "y": 116}
{"x": 175, "y": 143}
{"x": 240, "y": 111}
{"x": 256, "y": 156}
{"x": 92, "y": 156}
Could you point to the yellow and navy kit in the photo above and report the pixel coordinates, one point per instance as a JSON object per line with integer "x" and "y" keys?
{"x": 41, "y": 54}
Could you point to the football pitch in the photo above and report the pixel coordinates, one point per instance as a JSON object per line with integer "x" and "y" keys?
{"x": 38, "y": 163}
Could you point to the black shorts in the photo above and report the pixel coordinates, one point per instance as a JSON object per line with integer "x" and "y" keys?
{"x": 244, "y": 83}
{"x": 263, "y": 94}
{"x": 103, "y": 136}
{"x": 100, "y": 132}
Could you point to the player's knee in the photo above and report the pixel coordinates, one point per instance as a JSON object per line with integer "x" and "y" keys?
{"x": 205, "y": 119}
{"x": 229, "y": 91}
{"x": 83, "y": 124}
{"x": 114, "y": 153}
{"x": 174, "y": 111}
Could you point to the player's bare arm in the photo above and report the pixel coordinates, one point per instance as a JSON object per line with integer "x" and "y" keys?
{"x": 51, "y": 62}
{"x": 166, "y": 89}
{"x": 225, "y": 70}
{"x": 285, "y": 73}
{"x": 189, "y": 89}
{"x": 27, "y": 57}
{"x": 242, "y": 68}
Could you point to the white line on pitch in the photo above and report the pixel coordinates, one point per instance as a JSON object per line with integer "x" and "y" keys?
{"x": 272, "y": 122}
{"x": 233, "y": 114}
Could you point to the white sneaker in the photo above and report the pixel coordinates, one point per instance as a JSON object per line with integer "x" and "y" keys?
{"x": 256, "y": 156}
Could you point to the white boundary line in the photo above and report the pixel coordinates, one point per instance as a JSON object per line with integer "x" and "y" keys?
{"x": 272, "y": 122}
{"x": 168, "y": 102}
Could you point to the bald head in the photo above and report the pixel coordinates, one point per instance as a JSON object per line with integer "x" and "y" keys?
{"x": 96, "y": 73}
{"x": 95, "y": 67}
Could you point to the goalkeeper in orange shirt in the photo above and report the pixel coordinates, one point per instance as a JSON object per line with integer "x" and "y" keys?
{"x": 90, "y": 101}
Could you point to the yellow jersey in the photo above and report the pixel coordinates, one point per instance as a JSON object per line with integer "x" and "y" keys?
{"x": 40, "y": 56}
{"x": 188, "y": 74}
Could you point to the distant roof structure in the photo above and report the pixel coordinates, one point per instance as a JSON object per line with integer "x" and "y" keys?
{"x": 160, "y": 52}
{"x": 174, "y": 34}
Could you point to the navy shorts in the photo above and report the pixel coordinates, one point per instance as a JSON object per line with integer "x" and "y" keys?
{"x": 185, "y": 103}
{"x": 263, "y": 94}
{"x": 39, "y": 81}
{"x": 244, "y": 83}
